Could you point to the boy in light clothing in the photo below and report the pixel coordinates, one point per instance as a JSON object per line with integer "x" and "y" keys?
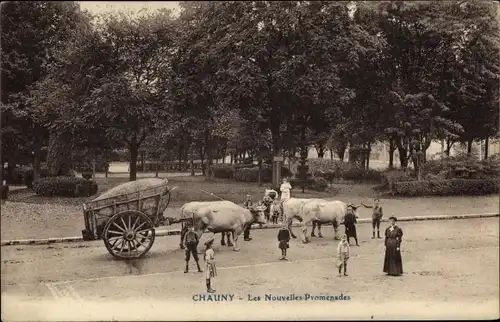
{"x": 343, "y": 254}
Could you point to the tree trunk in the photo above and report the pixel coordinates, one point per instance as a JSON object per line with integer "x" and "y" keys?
{"x": 331, "y": 154}
{"x": 259, "y": 175}
{"x": 134, "y": 151}
{"x": 469, "y": 147}
{"x": 403, "y": 156}
{"x": 59, "y": 154}
{"x": 486, "y": 147}
{"x": 181, "y": 148}
{"x": 449, "y": 145}
{"x": 369, "y": 146}
{"x": 231, "y": 158}
{"x": 157, "y": 168}
{"x": 321, "y": 151}
{"x": 192, "y": 161}
{"x": 38, "y": 151}
{"x": 392, "y": 148}
{"x": 202, "y": 158}
{"x": 143, "y": 161}
{"x": 341, "y": 151}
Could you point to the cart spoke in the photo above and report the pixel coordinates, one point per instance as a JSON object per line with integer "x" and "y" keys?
{"x": 115, "y": 232}
{"x": 136, "y": 247}
{"x": 114, "y": 243}
{"x": 119, "y": 245}
{"x": 123, "y": 245}
{"x": 122, "y": 229}
{"x": 135, "y": 223}
{"x": 129, "y": 244}
{"x": 140, "y": 244}
{"x": 144, "y": 236}
{"x": 129, "y": 222}
{"x": 124, "y": 224}
{"x": 140, "y": 226}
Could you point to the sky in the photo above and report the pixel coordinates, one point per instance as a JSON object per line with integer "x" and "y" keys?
{"x": 106, "y": 6}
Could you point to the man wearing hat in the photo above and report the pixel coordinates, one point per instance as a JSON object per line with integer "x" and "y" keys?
{"x": 190, "y": 243}
{"x": 393, "y": 263}
{"x": 210, "y": 270}
{"x": 246, "y": 233}
{"x": 350, "y": 220}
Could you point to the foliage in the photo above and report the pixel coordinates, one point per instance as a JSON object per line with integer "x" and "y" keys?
{"x": 247, "y": 173}
{"x": 449, "y": 187}
{"x": 390, "y": 177}
{"x": 449, "y": 167}
{"x": 65, "y": 187}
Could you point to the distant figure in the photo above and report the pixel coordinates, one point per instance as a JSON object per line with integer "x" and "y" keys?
{"x": 376, "y": 216}
{"x": 191, "y": 240}
{"x": 246, "y": 233}
{"x": 393, "y": 263}
{"x": 343, "y": 249}
{"x": 350, "y": 221}
{"x": 284, "y": 239}
{"x": 210, "y": 270}
{"x": 285, "y": 189}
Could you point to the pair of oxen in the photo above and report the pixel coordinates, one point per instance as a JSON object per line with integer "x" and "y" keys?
{"x": 227, "y": 217}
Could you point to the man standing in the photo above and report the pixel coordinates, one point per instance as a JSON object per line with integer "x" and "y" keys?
{"x": 246, "y": 233}
{"x": 350, "y": 220}
{"x": 376, "y": 216}
{"x": 191, "y": 240}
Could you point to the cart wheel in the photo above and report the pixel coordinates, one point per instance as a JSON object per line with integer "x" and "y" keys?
{"x": 129, "y": 234}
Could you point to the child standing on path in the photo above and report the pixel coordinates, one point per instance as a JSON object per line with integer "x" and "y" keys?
{"x": 284, "y": 239}
{"x": 343, "y": 255}
{"x": 376, "y": 216}
{"x": 210, "y": 270}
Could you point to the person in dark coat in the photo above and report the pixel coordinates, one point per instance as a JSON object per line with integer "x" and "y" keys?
{"x": 246, "y": 233}
{"x": 190, "y": 242}
{"x": 350, "y": 221}
{"x": 393, "y": 264}
{"x": 284, "y": 239}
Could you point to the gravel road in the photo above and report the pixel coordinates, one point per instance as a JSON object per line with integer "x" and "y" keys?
{"x": 451, "y": 271}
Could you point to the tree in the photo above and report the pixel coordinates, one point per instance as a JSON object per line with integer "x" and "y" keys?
{"x": 128, "y": 104}
{"x": 32, "y": 35}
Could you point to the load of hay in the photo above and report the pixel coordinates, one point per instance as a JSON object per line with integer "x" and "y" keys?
{"x": 132, "y": 190}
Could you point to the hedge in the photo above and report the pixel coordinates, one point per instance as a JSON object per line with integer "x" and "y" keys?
{"x": 447, "y": 167}
{"x": 247, "y": 173}
{"x": 449, "y": 187}
{"x": 65, "y": 187}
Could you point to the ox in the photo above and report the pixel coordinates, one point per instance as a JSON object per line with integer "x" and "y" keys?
{"x": 336, "y": 214}
{"x": 188, "y": 210}
{"x": 225, "y": 217}
{"x": 293, "y": 208}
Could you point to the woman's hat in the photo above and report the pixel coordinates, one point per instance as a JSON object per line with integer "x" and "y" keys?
{"x": 393, "y": 218}
{"x": 209, "y": 241}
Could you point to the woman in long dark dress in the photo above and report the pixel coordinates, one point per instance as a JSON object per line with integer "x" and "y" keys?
{"x": 393, "y": 264}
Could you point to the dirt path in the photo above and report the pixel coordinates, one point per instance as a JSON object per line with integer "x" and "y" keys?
{"x": 446, "y": 264}
{"x": 26, "y": 220}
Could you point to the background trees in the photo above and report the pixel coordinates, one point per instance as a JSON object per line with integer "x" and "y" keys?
{"x": 263, "y": 78}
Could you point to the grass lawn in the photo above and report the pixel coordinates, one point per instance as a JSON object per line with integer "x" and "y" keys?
{"x": 189, "y": 188}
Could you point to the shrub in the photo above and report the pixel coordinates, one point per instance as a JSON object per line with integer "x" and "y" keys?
{"x": 390, "y": 177}
{"x": 87, "y": 175}
{"x": 319, "y": 184}
{"x": 65, "y": 186}
{"x": 28, "y": 176}
{"x": 297, "y": 183}
{"x": 251, "y": 174}
{"x": 4, "y": 192}
{"x": 446, "y": 187}
{"x": 450, "y": 167}
{"x": 223, "y": 171}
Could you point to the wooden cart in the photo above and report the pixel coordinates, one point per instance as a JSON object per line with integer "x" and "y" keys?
{"x": 126, "y": 223}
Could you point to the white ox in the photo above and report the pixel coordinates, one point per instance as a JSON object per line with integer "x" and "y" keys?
{"x": 222, "y": 217}
{"x": 317, "y": 212}
{"x": 293, "y": 208}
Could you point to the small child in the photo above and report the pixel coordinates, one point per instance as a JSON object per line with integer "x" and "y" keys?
{"x": 248, "y": 202}
{"x": 284, "y": 239}
{"x": 210, "y": 270}
{"x": 343, "y": 254}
